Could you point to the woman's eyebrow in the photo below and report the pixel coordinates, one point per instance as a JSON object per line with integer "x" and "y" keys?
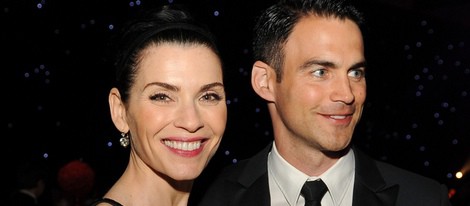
{"x": 211, "y": 85}
{"x": 164, "y": 85}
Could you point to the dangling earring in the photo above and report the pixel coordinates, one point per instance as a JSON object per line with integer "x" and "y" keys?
{"x": 124, "y": 140}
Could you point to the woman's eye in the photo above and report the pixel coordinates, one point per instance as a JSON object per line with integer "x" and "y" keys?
{"x": 211, "y": 97}
{"x": 160, "y": 97}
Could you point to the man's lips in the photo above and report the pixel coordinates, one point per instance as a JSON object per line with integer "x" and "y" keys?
{"x": 338, "y": 116}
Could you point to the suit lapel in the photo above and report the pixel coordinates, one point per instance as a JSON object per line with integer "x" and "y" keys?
{"x": 369, "y": 186}
{"x": 254, "y": 179}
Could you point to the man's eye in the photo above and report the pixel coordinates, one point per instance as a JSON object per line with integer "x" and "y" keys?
{"x": 319, "y": 73}
{"x": 357, "y": 74}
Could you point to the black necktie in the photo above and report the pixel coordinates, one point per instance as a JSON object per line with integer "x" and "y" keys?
{"x": 313, "y": 192}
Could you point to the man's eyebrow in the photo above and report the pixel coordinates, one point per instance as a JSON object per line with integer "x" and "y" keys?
{"x": 330, "y": 64}
{"x": 324, "y": 63}
{"x": 362, "y": 64}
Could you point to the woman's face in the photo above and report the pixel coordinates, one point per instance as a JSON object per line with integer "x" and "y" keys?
{"x": 176, "y": 111}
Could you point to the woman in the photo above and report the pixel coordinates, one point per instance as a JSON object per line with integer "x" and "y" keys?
{"x": 169, "y": 105}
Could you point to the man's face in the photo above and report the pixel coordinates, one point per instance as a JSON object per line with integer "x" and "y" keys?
{"x": 322, "y": 92}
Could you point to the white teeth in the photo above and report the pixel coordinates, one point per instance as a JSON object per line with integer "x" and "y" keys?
{"x": 338, "y": 117}
{"x": 187, "y": 146}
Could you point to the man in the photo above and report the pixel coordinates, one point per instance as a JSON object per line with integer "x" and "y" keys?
{"x": 310, "y": 69}
{"x": 31, "y": 179}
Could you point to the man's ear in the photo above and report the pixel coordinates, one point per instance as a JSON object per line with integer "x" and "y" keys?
{"x": 118, "y": 110}
{"x": 262, "y": 76}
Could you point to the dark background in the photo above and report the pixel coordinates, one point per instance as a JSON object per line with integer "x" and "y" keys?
{"x": 56, "y": 78}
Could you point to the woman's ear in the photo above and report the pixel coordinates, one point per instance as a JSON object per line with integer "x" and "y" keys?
{"x": 118, "y": 110}
{"x": 261, "y": 80}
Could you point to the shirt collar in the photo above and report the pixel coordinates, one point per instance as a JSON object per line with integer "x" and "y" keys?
{"x": 29, "y": 193}
{"x": 290, "y": 180}
{"x": 287, "y": 177}
{"x": 339, "y": 177}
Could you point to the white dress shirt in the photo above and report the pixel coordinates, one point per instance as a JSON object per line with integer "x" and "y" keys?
{"x": 285, "y": 181}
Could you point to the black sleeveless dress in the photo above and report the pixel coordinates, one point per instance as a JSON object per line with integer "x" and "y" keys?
{"x": 106, "y": 200}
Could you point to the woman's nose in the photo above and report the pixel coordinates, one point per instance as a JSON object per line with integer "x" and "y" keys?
{"x": 189, "y": 118}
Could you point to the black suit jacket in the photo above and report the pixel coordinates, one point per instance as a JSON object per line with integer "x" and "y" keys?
{"x": 376, "y": 183}
{"x": 21, "y": 199}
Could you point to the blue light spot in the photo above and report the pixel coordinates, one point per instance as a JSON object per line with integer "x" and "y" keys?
{"x": 440, "y": 122}
{"x": 452, "y": 109}
{"x": 449, "y": 175}
{"x": 408, "y": 137}
{"x": 424, "y": 23}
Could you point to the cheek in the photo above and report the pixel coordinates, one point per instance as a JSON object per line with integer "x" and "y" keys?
{"x": 222, "y": 119}
{"x": 148, "y": 118}
{"x": 218, "y": 125}
{"x": 360, "y": 93}
{"x": 311, "y": 95}
{"x": 147, "y": 113}
{"x": 217, "y": 118}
